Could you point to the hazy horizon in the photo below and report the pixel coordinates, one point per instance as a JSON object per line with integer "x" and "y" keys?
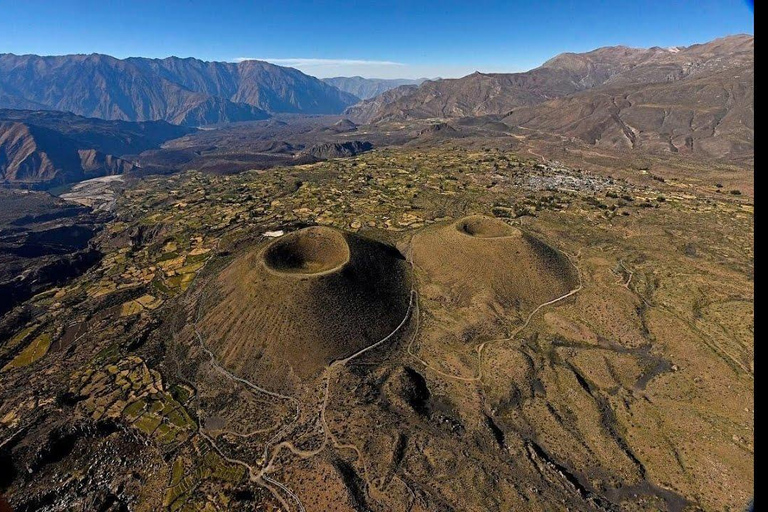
{"x": 390, "y": 40}
{"x": 333, "y": 68}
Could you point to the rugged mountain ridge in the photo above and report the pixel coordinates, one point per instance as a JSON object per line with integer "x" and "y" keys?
{"x": 43, "y": 148}
{"x": 181, "y": 91}
{"x": 694, "y": 99}
{"x": 473, "y": 95}
{"x": 622, "y": 65}
{"x": 698, "y": 99}
{"x": 272, "y": 88}
{"x": 563, "y": 75}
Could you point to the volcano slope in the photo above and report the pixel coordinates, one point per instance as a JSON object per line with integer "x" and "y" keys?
{"x": 484, "y": 256}
{"x": 283, "y": 312}
{"x": 478, "y": 278}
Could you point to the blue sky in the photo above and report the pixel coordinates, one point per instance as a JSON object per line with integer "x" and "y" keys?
{"x": 369, "y": 38}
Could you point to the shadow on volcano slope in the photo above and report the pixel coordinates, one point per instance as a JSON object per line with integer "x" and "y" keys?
{"x": 281, "y": 313}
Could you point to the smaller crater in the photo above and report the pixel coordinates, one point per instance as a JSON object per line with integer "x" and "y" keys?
{"x": 479, "y": 226}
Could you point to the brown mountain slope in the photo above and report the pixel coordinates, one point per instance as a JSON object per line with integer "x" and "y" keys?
{"x": 114, "y": 137}
{"x": 712, "y": 114}
{"x": 622, "y": 65}
{"x": 667, "y": 65}
{"x": 44, "y": 148}
{"x": 31, "y": 155}
{"x": 181, "y": 91}
{"x": 367, "y": 110}
{"x": 472, "y": 95}
{"x": 566, "y": 74}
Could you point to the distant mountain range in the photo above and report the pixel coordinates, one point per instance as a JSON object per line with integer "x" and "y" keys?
{"x": 181, "y": 91}
{"x": 366, "y": 88}
{"x": 697, "y": 98}
{"x": 46, "y": 148}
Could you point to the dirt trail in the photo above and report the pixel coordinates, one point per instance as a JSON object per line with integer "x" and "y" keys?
{"x": 261, "y": 476}
{"x": 255, "y": 476}
{"x": 479, "y": 348}
{"x": 271, "y": 450}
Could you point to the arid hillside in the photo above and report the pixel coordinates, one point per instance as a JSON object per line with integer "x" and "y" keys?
{"x": 41, "y": 149}
{"x": 709, "y": 114}
{"x": 376, "y": 332}
{"x": 181, "y": 91}
{"x": 697, "y": 99}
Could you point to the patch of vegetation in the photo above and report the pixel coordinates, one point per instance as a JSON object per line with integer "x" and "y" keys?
{"x": 33, "y": 352}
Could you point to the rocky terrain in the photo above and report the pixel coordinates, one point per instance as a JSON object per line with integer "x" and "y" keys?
{"x": 41, "y": 149}
{"x": 549, "y": 360}
{"x": 43, "y": 241}
{"x": 338, "y": 150}
{"x": 181, "y": 91}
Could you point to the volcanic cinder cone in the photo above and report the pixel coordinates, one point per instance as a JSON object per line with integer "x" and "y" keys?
{"x": 279, "y": 314}
{"x": 482, "y": 260}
